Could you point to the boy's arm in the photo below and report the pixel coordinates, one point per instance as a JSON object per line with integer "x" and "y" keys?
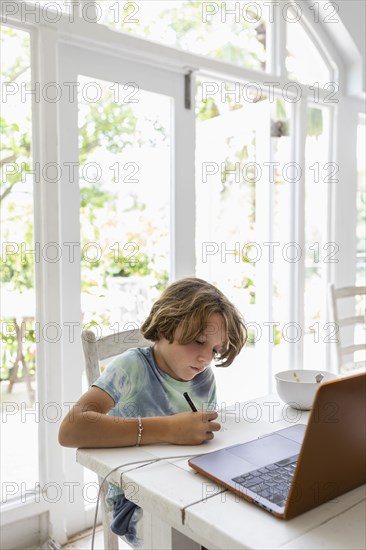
{"x": 88, "y": 425}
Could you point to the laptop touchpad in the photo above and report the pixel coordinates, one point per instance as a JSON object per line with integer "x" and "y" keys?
{"x": 266, "y": 450}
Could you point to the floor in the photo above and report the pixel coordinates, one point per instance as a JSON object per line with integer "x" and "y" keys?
{"x": 83, "y": 541}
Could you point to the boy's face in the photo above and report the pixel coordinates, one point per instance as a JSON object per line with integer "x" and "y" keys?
{"x": 185, "y": 361}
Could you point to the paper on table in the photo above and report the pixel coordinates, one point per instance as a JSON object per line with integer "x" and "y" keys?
{"x": 232, "y": 432}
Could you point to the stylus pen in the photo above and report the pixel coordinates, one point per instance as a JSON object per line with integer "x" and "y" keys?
{"x": 190, "y": 402}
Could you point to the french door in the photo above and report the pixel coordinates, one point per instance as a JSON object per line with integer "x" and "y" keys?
{"x": 125, "y": 219}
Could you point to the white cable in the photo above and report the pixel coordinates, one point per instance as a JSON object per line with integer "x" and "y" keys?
{"x": 143, "y": 463}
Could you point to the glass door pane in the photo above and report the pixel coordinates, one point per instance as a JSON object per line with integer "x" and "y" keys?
{"x": 319, "y": 254}
{"x": 233, "y": 137}
{"x": 19, "y": 424}
{"x": 125, "y": 181}
{"x": 285, "y": 176}
{"x": 125, "y": 187}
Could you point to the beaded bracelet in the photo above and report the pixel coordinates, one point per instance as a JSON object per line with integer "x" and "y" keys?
{"x": 140, "y": 430}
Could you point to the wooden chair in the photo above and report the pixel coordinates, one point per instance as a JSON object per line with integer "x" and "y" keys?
{"x": 95, "y": 351}
{"x": 343, "y": 349}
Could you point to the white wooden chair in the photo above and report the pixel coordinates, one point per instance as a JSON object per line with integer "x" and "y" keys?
{"x": 345, "y": 350}
{"x": 95, "y": 351}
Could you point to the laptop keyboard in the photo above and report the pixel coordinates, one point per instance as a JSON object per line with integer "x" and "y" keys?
{"x": 271, "y": 482}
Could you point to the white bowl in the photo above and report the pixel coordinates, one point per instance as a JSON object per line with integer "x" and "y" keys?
{"x": 297, "y": 388}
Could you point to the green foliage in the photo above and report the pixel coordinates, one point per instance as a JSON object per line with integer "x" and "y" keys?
{"x": 315, "y": 122}
{"x": 126, "y": 266}
{"x": 248, "y": 284}
{"x": 92, "y": 196}
{"x": 15, "y": 152}
{"x": 10, "y": 347}
{"x": 162, "y": 280}
{"x": 17, "y": 269}
{"x": 184, "y": 21}
{"x": 280, "y": 110}
{"x": 109, "y": 124}
{"x": 207, "y": 108}
{"x": 20, "y": 63}
{"x": 14, "y": 141}
{"x": 246, "y": 45}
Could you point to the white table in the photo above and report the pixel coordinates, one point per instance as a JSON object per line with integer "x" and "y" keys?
{"x": 184, "y": 510}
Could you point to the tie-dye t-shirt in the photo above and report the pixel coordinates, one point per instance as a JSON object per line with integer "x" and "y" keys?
{"x": 139, "y": 388}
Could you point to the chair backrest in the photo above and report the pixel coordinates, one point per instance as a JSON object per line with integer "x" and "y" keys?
{"x": 335, "y": 295}
{"x": 97, "y": 349}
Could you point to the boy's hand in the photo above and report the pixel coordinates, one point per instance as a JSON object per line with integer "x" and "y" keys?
{"x": 192, "y": 428}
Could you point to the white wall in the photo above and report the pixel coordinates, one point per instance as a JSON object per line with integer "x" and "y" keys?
{"x": 353, "y": 15}
{"x": 349, "y": 37}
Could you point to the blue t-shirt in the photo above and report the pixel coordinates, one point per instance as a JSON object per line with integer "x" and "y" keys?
{"x": 139, "y": 388}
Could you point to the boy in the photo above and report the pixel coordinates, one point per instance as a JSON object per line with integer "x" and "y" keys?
{"x": 192, "y": 324}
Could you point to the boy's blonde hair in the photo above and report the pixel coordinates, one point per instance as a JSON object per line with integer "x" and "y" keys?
{"x": 187, "y": 304}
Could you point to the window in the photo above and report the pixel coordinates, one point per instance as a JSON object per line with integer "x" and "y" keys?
{"x": 125, "y": 182}
{"x": 19, "y": 254}
{"x": 230, "y": 31}
{"x": 304, "y": 62}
